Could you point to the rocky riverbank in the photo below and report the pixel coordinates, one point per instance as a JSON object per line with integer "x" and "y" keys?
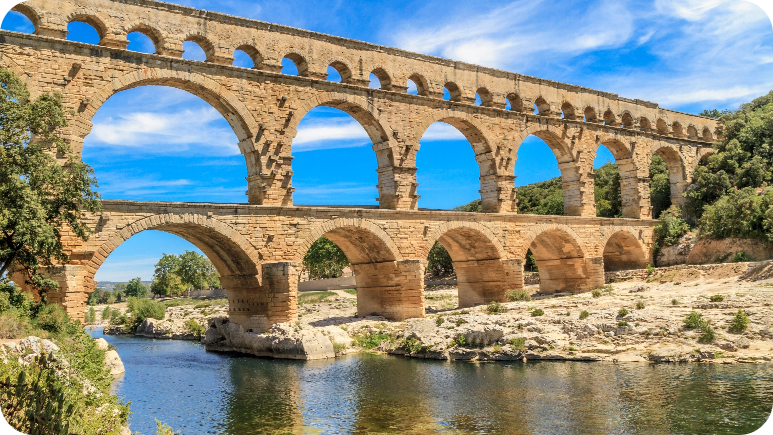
{"x": 636, "y": 320}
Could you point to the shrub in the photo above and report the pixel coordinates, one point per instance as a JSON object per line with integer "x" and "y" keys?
{"x": 708, "y": 335}
{"x": 338, "y": 347}
{"x": 584, "y": 314}
{"x": 650, "y": 270}
{"x": 669, "y": 229}
{"x": 495, "y": 308}
{"x": 195, "y": 327}
{"x": 740, "y": 322}
{"x": 163, "y": 429}
{"x": 439, "y": 321}
{"x": 694, "y": 320}
{"x": 622, "y": 323}
{"x": 12, "y": 297}
{"x": 518, "y": 295}
{"x": 675, "y": 302}
{"x": 90, "y": 316}
{"x": 622, "y": 312}
{"x": 717, "y": 298}
{"x": 146, "y": 308}
{"x": 518, "y": 343}
{"x": 741, "y": 257}
{"x": 596, "y": 293}
{"x": 13, "y": 326}
{"x": 413, "y": 345}
{"x": 537, "y": 312}
{"x": 371, "y": 340}
{"x": 54, "y": 319}
{"x": 640, "y": 305}
{"x": 106, "y": 313}
{"x": 460, "y": 321}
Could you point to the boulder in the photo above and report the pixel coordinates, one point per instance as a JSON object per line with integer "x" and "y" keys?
{"x": 102, "y": 344}
{"x": 113, "y": 363}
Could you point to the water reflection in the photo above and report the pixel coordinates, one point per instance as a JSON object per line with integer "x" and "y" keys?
{"x": 198, "y": 392}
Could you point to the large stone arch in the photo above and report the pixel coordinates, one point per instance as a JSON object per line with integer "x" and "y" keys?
{"x": 387, "y": 285}
{"x": 622, "y": 250}
{"x": 478, "y": 257}
{"x": 351, "y": 232}
{"x": 578, "y": 200}
{"x": 562, "y": 260}
{"x": 677, "y": 169}
{"x": 233, "y": 110}
{"x": 630, "y": 174}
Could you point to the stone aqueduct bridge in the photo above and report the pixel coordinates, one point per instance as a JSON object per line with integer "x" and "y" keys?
{"x": 257, "y": 247}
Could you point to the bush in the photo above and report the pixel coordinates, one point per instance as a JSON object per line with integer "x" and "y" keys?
{"x": 741, "y": 213}
{"x": 518, "y": 343}
{"x": 596, "y": 293}
{"x": 90, "y": 316}
{"x": 371, "y": 340}
{"x": 675, "y": 302}
{"x": 54, "y": 319}
{"x": 141, "y": 309}
{"x": 640, "y": 305}
{"x": 622, "y": 323}
{"x": 669, "y": 229}
{"x": 537, "y": 312}
{"x": 694, "y": 320}
{"x": 622, "y": 312}
{"x": 717, "y": 298}
{"x": 740, "y": 322}
{"x": 195, "y": 327}
{"x": 495, "y": 308}
{"x": 106, "y": 313}
{"x": 584, "y": 314}
{"x": 650, "y": 270}
{"x": 742, "y": 257}
{"x": 439, "y": 321}
{"x": 518, "y": 295}
{"x": 13, "y": 326}
{"x": 708, "y": 335}
{"x": 12, "y": 297}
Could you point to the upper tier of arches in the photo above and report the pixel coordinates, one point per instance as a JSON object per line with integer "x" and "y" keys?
{"x": 221, "y": 36}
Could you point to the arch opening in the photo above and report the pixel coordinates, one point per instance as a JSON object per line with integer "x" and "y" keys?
{"x": 645, "y": 125}
{"x": 197, "y": 48}
{"x": 143, "y": 41}
{"x": 662, "y": 127}
{"x": 451, "y": 157}
{"x": 707, "y": 136}
{"x": 379, "y": 79}
{"x": 295, "y": 65}
{"x": 676, "y": 174}
{"x": 468, "y": 255}
{"x": 677, "y": 130}
{"x": 541, "y": 107}
{"x": 692, "y": 132}
{"x": 418, "y": 83}
{"x": 247, "y": 56}
{"x": 608, "y": 180}
{"x": 560, "y": 263}
{"x": 452, "y": 92}
{"x": 567, "y": 111}
{"x": 21, "y": 19}
{"x": 515, "y": 103}
{"x": 82, "y": 29}
{"x": 339, "y": 72}
{"x": 152, "y": 142}
{"x": 610, "y": 118}
{"x": 627, "y": 120}
{"x": 623, "y": 252}
{"x": 483, "y": 97}
{"x": 538, "y": 179}
{"x": 660, "y": 186}
{"x": 590, "y": 115}
{"x": 330, "y": 136}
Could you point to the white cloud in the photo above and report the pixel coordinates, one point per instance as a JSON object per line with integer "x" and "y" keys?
{"x": 441, "y": 131}
{"x": 162, "y": 132}
{"x": 329, "y": 133}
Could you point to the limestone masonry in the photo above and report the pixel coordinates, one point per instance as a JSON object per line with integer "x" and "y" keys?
{"x": 257, "y": 248}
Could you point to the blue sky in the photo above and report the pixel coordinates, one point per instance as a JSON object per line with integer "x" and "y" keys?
{"x": 156, "y": 143}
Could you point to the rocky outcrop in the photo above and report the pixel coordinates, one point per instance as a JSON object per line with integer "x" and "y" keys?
{"x": 283, "y": 340}
{"x": 112, "y": 360}
{"x": 678, "y": 253}
{"x": 167, "y": 328}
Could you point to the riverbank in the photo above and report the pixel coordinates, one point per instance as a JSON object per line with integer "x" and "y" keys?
{"x": 637, "y": 320}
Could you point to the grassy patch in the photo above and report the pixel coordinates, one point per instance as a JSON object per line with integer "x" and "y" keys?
{"x": 640, "y": 305}
{"x": 584, "y": 314}
{"x": 622, "y": 312}
{"x": 740, "y": 322}
{"x": 351, "y": 291}
{"x": 371, "y": 340}
{"x": 495, "y": 308}
{"x": 314, "y": 297}
{"x": 518, "y": 295}
{"x": 596, "y": 293}
{"x": 717, "y": 298}
{"x": 518, "y": 343}
{"x": 537, "y": 312}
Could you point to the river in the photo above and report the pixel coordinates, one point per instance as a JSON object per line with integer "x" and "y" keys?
{"x": 196, "y": 392}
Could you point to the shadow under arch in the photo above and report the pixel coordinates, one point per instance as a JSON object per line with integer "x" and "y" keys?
{"x": 386, "y": 284}
{"x": 234, "y": 257}
{"x": 622, "y": 251}
{"x": 475, "y": 134}
{"x": 476, "y": 255}
{"x": 561, "y": 260}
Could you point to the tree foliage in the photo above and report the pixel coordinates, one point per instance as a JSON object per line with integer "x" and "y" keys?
{"x": 44, "y": 187}
{"x": 189, "y": 271}
{"x": 135, "y": 288}
{"x": 324, "y": 259}
{"x": 606, "y": 182}
{"x": 545, "y": 198}
{"x": 439, "y": 261}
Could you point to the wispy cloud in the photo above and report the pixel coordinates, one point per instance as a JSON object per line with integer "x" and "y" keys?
{"x": 329, "y": 133}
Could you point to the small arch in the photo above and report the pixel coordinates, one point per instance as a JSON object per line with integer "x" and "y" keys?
{"x": 567, "y": 110}
{"x": 384, "y": 81}
{"x": 152, "y": 34}
{"x": 561, "y": 261}
{"x": 645, "y": 125}
{"x": 92, "y": 21}
{"x": 610, "y": 118}
{"x": 252, "y": 53}
{"x": 627, "y": 120}
{"x": 623, "y": 251}
{"x": 542, "y": 107}
{"x": 29, "y": 13}
{"x": 486, "y": 99}
{"x": 676, "y": 172}
{"x": 515, "y": 102}
{"x": 343, "y": 71}
{"x": 421, "y": 84}
{"x": 676, "y": 128}
{"x": 453, "y": 92}
{"x": 707, "y": 136}
{"x": 590, "y": 114}
{"x": 203, "y": 43}
{"x": 661, "y": 126}
{"x": 300, "y": 64}
{"x": 692, "y": 132}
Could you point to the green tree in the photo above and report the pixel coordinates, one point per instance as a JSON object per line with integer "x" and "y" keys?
{"x": 40, "y": 195}
{"x": 439, "y": 261}
{"x": 166, "y": 280}
{"x": 136, "y": 288}
{"x": 606, "y": 181}
{"x": 324, "y": 259}
{"x": 660, "y": 186}
{"x": 196, "y": 271}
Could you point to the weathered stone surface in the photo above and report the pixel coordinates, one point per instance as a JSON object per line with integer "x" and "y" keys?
{"x": 113, "y": 363}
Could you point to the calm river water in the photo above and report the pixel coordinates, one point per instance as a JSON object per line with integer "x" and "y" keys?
{"x": 196, "y": 392}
